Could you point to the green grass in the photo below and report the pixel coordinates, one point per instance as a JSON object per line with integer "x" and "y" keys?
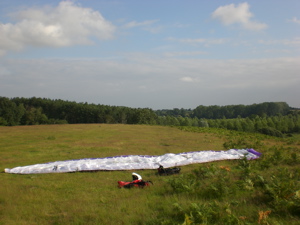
{"x": 224, "y": 191}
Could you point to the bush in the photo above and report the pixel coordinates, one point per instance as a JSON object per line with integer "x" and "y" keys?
{"x": 270, "y": 131}
{"x": 3, "y": 122}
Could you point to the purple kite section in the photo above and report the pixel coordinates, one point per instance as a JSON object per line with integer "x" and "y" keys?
{"x": 251, "y": 150}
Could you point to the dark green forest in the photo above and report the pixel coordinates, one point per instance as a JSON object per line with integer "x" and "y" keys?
{"x": 271, "y": 118}
{"x": 230, "y": 111}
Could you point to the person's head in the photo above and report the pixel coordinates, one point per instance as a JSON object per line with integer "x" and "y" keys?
{"x": 136, "y": 176}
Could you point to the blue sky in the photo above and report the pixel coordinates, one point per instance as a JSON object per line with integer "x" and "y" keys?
{"x": 155, "y": 54}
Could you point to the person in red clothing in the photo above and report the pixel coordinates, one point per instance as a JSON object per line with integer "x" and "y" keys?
{"x": 137, "y": 181}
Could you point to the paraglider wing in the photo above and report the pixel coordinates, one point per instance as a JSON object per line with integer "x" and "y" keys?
{"x": 135, "y": 162}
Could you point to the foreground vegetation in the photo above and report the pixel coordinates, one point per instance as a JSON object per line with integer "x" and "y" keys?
{"x": 263, "y": 191}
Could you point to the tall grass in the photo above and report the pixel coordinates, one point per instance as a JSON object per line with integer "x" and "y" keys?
{"x": 230, "y": 192}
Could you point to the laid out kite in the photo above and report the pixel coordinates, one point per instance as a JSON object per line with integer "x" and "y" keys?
{"x": 135, "y": 162}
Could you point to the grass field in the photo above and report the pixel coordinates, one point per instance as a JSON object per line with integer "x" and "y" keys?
{"x": 93, "y": 197}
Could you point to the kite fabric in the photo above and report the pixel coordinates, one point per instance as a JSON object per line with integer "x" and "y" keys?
{"x": 135, "y": 162}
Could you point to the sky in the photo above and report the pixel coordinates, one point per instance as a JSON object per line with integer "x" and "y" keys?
{"x": 151, "y": 54}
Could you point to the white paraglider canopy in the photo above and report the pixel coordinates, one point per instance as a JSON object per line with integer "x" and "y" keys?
{"x": 135, "y": 162}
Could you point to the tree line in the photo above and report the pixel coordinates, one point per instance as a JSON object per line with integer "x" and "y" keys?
{"x": 272, "y": 125}
{"x": 33, "y": 111}
{"x": 272, "y": 118}
{"x": 230, "y": 111}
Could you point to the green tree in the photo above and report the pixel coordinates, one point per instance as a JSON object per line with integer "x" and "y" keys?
{"x": 34, "y": 116}
{"x": 248, "y": 125}
{"x": 146, "y": 116}
{"x": 203, "y": 123}
{"x": 10, "y": 112}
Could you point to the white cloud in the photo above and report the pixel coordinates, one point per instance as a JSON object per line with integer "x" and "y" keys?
{"x": 146, "y": 81}
{"x": 187, "y": 79}
{"x": 295, "y": 20}
{"x": 65, "y": 25}
{"x": 192, "y": 41}
{"x": 146, "y": 25}
{"x": 139, "y": 24}
{"x": 154, "y": 30}
{"x": 204, "y": 41}
{"x": 289, "y": 42}
{"x": 240, "y": 14}
{"x": 179, "y": 54}
{"x": 180, "y": 25}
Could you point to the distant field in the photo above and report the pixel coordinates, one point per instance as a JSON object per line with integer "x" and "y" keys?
{"x": 93, "y": 198}
{"x": 46, "y": 143}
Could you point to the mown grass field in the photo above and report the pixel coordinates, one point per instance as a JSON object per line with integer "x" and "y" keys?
{"x": 93, "y": 197}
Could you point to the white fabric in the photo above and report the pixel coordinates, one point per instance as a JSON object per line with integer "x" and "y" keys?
{"x": 139, "y": 177}
{"x": 135, "y": 162}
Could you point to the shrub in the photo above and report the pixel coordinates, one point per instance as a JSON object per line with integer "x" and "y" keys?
{"x": 270, "y": 131}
